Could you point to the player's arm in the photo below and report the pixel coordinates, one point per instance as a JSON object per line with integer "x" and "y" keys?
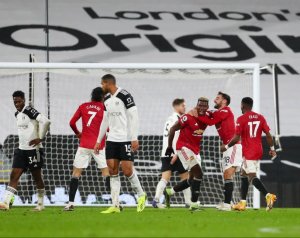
{"x": 74, "y": 119}
{"x": 102, "y": 132}
{"x": 214, "y": 119}
{"x": 236, "y": 138}
{"x": 133, "y": 118}
{"x": 177, "y": 126}
{"x": 269, "y": 137}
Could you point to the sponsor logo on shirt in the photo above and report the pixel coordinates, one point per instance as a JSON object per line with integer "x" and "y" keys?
{"x": 115, "y": 114}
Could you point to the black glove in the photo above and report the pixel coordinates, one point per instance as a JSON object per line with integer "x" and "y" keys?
{"x": 169, "y": 151}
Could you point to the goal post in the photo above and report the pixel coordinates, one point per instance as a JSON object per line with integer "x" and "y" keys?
{"x": 153, "y": 86}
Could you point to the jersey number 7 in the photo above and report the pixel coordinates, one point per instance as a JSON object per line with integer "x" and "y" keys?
{"x": 93, "y": 114}
{"x": 253, "y": 126}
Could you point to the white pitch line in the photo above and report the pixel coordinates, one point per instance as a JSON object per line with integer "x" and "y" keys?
{"x": 290, "y": 163}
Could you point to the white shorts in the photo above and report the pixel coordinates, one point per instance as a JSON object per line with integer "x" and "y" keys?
{"x": 250, "y": 166}
{"x": 233, "y": 157}
{"x": 188, "y": 158}
{"x": 83, "y": 158}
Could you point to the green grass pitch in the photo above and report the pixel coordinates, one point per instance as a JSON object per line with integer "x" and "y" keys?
{"x": 174, "y": 222}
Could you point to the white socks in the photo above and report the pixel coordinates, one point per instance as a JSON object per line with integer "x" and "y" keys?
{"x": 136, "y": 185}
{"x": 187, "y": 194}
{"x": 9, "y": 193}
{"x": 160, "y": 189}
{"x": 40, "y": 196}
{"x": 115, "y": 186}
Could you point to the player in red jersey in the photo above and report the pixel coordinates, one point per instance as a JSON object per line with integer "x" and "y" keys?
{"x": 223, "y": 119}
{"x": 249, "y": 128}
{"x": 188, "y": 151}
{"x": 91, "y": 114}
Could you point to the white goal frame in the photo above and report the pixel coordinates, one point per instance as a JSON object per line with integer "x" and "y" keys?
{"x": 254, "y": 67}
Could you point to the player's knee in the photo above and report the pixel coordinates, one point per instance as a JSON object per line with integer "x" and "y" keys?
{"x": 228, "y": 174}
{"x": 127, "y": 172}
{"x": 113, "y": 171}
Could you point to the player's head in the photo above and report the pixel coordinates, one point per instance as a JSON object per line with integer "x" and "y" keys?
{"x": 97, "y": 94}
{"x": 179, "y": 105}
{"x": 19, "y": 99}
{"x": 247, "y": 104}
{"x": 202, "y": 105}
{"x": 222, "y": 100}
{"x": 108, "y": 81}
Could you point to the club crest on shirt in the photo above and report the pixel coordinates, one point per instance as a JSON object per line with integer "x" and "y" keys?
{"x": 117, "y": 103}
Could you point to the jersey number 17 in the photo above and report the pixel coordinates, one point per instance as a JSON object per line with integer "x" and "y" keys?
{"x": 253, "y": 126}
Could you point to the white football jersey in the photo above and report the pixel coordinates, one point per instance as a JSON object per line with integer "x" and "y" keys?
{"x": 117, "y": 107}
{"x": 27, "y": 123}
{"x": 169, "y": 123}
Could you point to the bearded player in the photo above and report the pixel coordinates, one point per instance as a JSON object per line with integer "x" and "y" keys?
{"x": 249, "y": 129}
{"x": 223, "y": 119}
{"x": 32, "y": 129}
{"x": 188, "y": 151}
{"x": 171, "y": 164}
{"x": 91, "y": 114}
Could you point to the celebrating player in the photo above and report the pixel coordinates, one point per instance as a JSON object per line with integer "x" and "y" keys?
{"x": 32, "y": 128}
{"x": 232, "y": 160}
{"x": 121, "y": 116}
{"x": 169, "y": 164}
{"x": 188, "y": 151}
{"x": 249, "y": 128}
{"x": 91, "y": 114}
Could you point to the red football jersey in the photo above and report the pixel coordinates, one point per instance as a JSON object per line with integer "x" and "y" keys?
{"x": 224, "y": 121}
{"x": 187, "y": 136}
{"x": 91, "y": 114}
{"x": 250, "y": 127}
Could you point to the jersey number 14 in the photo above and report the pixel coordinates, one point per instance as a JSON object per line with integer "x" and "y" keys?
{"x": 253, "y": 126}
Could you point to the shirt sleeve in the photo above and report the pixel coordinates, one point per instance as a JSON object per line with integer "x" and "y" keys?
{"x": 215, "y": 118}
{"x": 265, "y": 126}
{"x": 238, "y": 127}
{"x": 44, "y": 124}
{"x": 31, "y": 112}
{"x": 103, "y": 127}
{"x": 74, "y": 119}
{"x": 133, "y": 117}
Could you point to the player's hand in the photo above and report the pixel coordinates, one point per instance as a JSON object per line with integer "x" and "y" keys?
{"x": 174, "y": 158}
{"x": 223, "y": 148}
{"x": 135, "y": 145}
{"x": 273, "y": 154}
{"x": 199, "y": 132}
{"x": 35, "y": 142}
{"x": 96, "y": 148}
{"x": 79, "y": 135}
{"x": 169, "y": 151}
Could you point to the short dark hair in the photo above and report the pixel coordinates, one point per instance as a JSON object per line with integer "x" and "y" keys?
{"x": 248, "y": 102}
{"x": 97, "y": 94}
{"x": 177, "y": 101}
{"x": 225, "y": 96}
{"x": 19, "y": 93}
{"x": 109, "y": 77}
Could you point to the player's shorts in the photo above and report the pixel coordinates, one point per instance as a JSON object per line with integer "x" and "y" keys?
{"x": 119, "y": 150}
{"x": 188, "y": 158}
{"x": 233, "y": 157}
{"x": 83, "y": 158}
{"x": 177, "y": 166}
{"x": 28, "y": 159}
{"x": 250, "y": 166}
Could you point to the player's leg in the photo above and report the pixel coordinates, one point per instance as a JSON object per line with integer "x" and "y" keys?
{"x": 196, "y": 176}
{"x": 127, "y": 168}
{"x": 252, "y": 167}
{"x": 40, "y": 188}
{"x": 241, "y": 206}
{"x": 11, "y": 188}
{"x": 186, "y": 192}
{"x": 20, "y": 164}
{"x": 81, "y": 161}
{"x": 165, "y": 178}
{"x": 102, "y": 165}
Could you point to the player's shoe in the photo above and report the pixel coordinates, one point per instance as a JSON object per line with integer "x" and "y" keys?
{"x": 195, "y": 207}
{"x": 141, "y": 203}
{"x": 224, "y": 207}
{"x": 168, "y": 195}
{"x": 158, "y": 205}
{"x": 38, "y": 208}
{"x": 111, "y": 210}
{"x": 4, "y": 206}
{"x": 68, "y": 208}
{"x": 240, "y": 206}
{"x": 270, "y": 199}
{"x": 219, "y": 205}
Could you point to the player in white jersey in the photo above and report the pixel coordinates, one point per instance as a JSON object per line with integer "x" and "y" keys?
{"x": 32, "y": 128}
{"x": 171, "y": 164}
{"x": 121, "y": 117}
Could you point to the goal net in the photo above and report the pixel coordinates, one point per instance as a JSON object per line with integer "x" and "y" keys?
{"x": 57, "y": 89}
